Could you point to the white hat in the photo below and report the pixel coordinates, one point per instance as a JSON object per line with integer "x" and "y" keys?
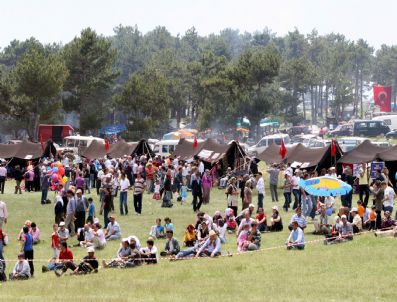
{"x": 343, "y": 216}
{"x": 275, "y": 208}
{"x": 62, "y": 223}
{"x": 212, "y": 233}
{"x": 251, "y": 205}
{"x": 353, "y": 210}
{"x": 90, "y": 250}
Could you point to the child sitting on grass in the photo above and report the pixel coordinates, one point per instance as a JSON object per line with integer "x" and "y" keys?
{"x": 157, "y": 230}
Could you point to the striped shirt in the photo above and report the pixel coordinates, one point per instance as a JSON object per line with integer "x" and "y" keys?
{"x": 139, "y": 186}
{"x": 301, "y": 220}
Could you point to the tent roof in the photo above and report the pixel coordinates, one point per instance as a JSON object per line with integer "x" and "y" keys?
{"x": 309, "y": 157}
{"x": 185, "y": 149}
{"x": 23, "y": 150}
{"x": 389, "y": 154}
{"x": 211, "y": 151}
{"x": 363, "y": 153}
{"x": 121, "y": 148}
{"x": 95, "y": 150}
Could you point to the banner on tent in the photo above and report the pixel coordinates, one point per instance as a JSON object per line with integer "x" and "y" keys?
{"x": 375, "y": 166}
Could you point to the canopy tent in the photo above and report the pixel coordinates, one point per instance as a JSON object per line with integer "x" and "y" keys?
{"x": 389, "y": 154}
{"x": 179, "y": 134}
{"x": 121, "y": 148}
{"x": 24, "y": 150}
{"x": 308, "y": 157}
{"x": 112, "y": 129}
{"x": 185, "y": 150}
{"x": 271, "y": 155}
{"x": 211, "y": 152}
{"x": 363, "y": 153}
{"x": 95, "y": 150}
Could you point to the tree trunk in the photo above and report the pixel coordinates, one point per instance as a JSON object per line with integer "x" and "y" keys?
{"x": 304, "y": 106}
{"x": 361, "y": 95}
{"x": 313, "y": 116}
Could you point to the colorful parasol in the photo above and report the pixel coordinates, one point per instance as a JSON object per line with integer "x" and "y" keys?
{"x": 325, "y": 186}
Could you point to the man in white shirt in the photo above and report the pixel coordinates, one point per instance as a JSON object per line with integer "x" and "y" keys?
{"x": 388, "y": 200}
{"x": 201, "y": 167}
{"x": 124, "y": 186}
{"x": 3, "y": 176}
{"x": 296, "y": 239}
{"x": 260, "y": 186}
{"x": 295, "y": 188}
{"x": 3, "y": 213}
{"x": 113, "y": 231}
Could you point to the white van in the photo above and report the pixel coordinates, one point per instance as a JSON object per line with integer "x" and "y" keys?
{"x": 267, "y": 141}
{"x": 388, "y": 120}
{"x": 78, "y": 143}
{"x": 165, "y": 147}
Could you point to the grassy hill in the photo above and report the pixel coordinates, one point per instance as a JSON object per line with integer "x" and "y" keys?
{"x": 360, "y": 270}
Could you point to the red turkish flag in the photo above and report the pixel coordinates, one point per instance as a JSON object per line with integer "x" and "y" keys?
{"x": 382, "y": 98}
{"x": 283, "y": 150}
{"x": 333, "y": 148}
{"x": 195, "y": 143}
{"x": 106, "y": 145}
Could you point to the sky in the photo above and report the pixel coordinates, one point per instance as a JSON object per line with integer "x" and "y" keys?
{"x": 61, "y": 20}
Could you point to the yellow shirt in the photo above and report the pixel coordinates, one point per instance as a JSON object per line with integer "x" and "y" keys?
{"x": 363, "y": 180}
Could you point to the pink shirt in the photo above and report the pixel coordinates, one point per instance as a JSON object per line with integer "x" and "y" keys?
{"x": 35, "y": 234}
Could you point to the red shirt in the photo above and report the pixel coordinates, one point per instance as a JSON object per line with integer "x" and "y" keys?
{"x": 259, "y": 217}
{"x": 55, "y": 240}
{"x": 66, "y": 255}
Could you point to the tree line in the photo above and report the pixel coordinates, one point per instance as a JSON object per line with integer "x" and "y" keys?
{"x": 209, "y": 81}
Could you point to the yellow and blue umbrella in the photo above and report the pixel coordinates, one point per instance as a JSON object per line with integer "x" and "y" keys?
{"x": 325, "y": 186}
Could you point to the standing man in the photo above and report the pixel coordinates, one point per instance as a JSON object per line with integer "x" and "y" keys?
{"x": 197, "y": 192}
{"x": 81, "y": 208}
{"x": 3, "y": 213}
{"x": 27, "y": 248}
{"x": 273, "y": 181}
{"x": 124, "y": 186}
{"x": 139, "y": 188}
{"x": 45, "y": 185}
{"x": 3, "y": 176}
{"x": 260, "y": 186}
{"x": 363, "y": 184}
{"x": 296, "y": 189}
{"x": 18, "y": 176}
{"x": 70, "y": 212}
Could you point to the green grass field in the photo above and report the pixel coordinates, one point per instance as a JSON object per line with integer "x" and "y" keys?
{"x": 361, "y": 270}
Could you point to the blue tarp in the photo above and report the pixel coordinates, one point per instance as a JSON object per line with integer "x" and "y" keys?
{"x": 113, "y": 129}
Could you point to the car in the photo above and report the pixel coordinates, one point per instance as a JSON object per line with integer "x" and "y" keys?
{"x": 342, "y": 130}
{"x": 304, "y": 139}
{"x": 349, "y": 143}
{"x": 391, "y": 134}
{"x": 266, "y": 141}
{"x": 370, "y": 128}
{"x": 299, "y": 130}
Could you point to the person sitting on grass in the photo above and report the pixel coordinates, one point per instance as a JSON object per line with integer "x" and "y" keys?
{"x": 261, "y": 220}
{"x": 63, "y": 232}
{"x": 298, "y": 217}
{"x": 276, "y": 223}
{"x": 211, "y": 247}
{"x": 190, "y": 236}
{"x": 35, "y": 232}
{"x": 254, "y": 238}
{"x": 88, "y": 265}
{"x": 247, "y": 220}
{"x": 168, "y": 224}
{"x": 65, "y": 255}
{"x": 321, "y": 227}
{"x": 221, "y": 229}
{"x": 123, "y": 255}
{"x": 149, "y": 253}
{"x": 86, "y": 235}
{"x": 113, "y": 231}
{"x": 99, "y": 240}
{"x": 357, "y": 222}
{"x": 157, "y": 230}
{"x": 21, "y": 269}
{"x": 171, "y": 246}
{"x": 203, "y": 231}
{"x": 387, "y": 221}
{"x": 230, "y": 220}
{"x": 345, "y": 231}
{"x": 242, "y": 215}
{"x": 370, "y": 221}
{"x": 242, "y": 240}
{"x": 296, "y": 239}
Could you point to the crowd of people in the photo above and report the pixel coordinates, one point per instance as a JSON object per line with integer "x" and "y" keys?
{"x": 169, "y": 180}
